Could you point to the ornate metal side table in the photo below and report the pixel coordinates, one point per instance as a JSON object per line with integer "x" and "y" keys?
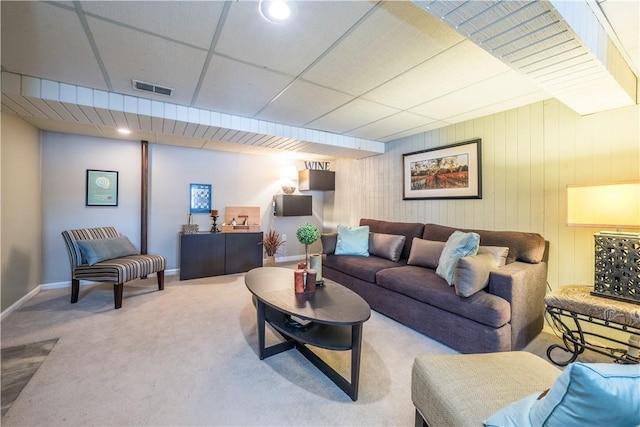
{"x": 569, "y": 306}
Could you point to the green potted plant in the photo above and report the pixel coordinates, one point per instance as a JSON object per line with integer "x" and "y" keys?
{"x": 271, "y": 242}
{"x": 307, "y": 234}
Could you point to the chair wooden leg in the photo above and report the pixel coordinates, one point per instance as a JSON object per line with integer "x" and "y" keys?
{"x": 160, "y": 275}
{"x": 118, "y": 290}
{"x": 75, "y": 290}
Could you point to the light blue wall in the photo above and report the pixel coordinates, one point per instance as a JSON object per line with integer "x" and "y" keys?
{"x": 236, "y": 179}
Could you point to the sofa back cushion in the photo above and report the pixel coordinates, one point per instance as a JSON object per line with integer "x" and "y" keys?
{"x": 407, "y": 229}
{"x": 525, "y": 247}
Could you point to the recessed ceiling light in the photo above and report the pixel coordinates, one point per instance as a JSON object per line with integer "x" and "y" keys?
{"x": 124, "y": 131}
{"x": 276, "y": 11}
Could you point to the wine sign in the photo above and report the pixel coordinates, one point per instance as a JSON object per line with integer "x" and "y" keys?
{"x": 315, "y": 165}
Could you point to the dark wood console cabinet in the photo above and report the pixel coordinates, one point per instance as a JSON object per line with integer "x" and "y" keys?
{"x": 215, "y": 254}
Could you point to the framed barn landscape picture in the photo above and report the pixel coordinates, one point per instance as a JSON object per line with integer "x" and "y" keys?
{"x": 449, "y": 172}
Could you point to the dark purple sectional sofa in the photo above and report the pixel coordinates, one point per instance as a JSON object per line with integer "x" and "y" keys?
{"x": 504, "y": 316}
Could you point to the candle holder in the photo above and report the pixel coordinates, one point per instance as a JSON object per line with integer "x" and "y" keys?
{"x": 214, "y": 219}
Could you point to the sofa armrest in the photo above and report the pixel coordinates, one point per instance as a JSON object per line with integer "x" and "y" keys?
{"x": 329, "y": 241}
{"x": 523, "y": 285}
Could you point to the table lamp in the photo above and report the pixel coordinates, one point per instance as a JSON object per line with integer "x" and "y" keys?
{"x": 617, "y": 253}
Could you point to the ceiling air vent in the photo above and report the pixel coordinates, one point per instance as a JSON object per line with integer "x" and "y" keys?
{"x": 150, "y": 87}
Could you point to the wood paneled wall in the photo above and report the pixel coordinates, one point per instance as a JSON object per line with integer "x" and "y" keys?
{"x": 529, "y": 155}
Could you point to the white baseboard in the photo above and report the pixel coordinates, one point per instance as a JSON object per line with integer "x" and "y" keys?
{"x": 58, "y": 285}
{"x": 289, "y": 258}
{"x": 21, "y": 301}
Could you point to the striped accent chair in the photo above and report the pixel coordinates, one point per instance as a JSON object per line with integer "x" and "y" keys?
{"x": 117, "y": 270}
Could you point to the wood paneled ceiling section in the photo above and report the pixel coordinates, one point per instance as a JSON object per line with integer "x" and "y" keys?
{"x": 338, "y": 80}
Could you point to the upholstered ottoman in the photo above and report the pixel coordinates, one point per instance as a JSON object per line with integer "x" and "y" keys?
{"x": 466, "y": 389}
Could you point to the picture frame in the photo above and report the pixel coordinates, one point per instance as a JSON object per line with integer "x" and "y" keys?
{"x": 449, "y": 172}
{"x": 101, "y": 188}
{"x": 199, "y": 198}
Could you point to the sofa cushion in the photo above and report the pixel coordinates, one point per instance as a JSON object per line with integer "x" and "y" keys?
{"x": 459, "y": 244}
{"x": 425, "y": 253}
{"x": 353, "y": 241}
{"x": 364, "y": 268}
{"x": 472, "y": 273}
{"x": 423, "y": 284}
{"x": 500, "y": 253}
{"x": 407, "y": 229}
{"x": 96, "y": 250}
{"x": 595, "y": 394}
{"x": 526, "y": 247}
{"x": 387, "y": 246}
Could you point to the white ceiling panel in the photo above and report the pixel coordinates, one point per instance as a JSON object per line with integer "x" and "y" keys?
{"x": 190, "y": 22}
{"x": 391, "y": 125}
{"x": 395, "y": 38}
{"x": 292, "y": 46}
{"x": 355, "y": 114}
{"x": 507, "y": 86}
{"x": 445, "y": 73}
{"x": 253, "y": 87}
{"x": 35, "y": 34}
{"x": 129, "y": 54}
{"x": 301, "y": 103}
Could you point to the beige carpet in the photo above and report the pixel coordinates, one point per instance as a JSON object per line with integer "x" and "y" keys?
{"x": 188, "y": 356}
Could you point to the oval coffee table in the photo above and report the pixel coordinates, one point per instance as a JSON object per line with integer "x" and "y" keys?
{"x": 335, "y": 315}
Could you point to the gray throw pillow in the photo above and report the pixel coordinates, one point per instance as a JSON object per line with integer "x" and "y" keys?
{"x": 500, "y": 253}
{"x": 329, "y": 241}
{"x": 98, "y": 250}
{"x": 425, "y": 253}
{"x": 472, "y": 273}
{"x": 387, "y": 246}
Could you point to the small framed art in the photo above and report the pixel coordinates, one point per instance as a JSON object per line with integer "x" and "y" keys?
{"x": 200, "y": 196}
{"x": 102, "y": 188}
{"x": 449, "y": 172}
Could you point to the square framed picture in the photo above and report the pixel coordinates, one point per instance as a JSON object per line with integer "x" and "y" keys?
{"x": 200, "y": 196}
{"x": 449, "y": 172}
{"x": 102, "y": 188}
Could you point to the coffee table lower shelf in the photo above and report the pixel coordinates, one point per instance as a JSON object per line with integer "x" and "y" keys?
{"x": 330, "y": 337}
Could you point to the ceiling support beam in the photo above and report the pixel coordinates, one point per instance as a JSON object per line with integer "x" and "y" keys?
{"x": 46, "y": 99}
{"x": 559, "y": 44}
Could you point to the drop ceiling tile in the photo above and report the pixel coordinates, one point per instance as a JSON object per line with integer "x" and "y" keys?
{"x": 355, "y": 114}
{"x": 413, "y": 131}
{"x": 460, "y": 66}
{"x": 390, "y": 126}
{"x": 508, "y": 85}
{"x": 292, "y": 46}
{"x": 396, "y": 37}
{"x": 129, "y": 54}
{"x": 238, "y": 88}
{"x": 53, "y": 38}
{"x": 191, "y": 22}
{"x": 301, "y": 103}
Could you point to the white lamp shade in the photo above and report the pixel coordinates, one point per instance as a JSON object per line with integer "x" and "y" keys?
{"x": 615, "y": 205}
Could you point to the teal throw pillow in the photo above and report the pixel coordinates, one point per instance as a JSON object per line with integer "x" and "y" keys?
{"x": 353, "y": 240}
{"x": 458, "y": 245}
{"x": 585, "y": 394}
{"x": 595, "y": 394}
{"x": 98, "y": 250}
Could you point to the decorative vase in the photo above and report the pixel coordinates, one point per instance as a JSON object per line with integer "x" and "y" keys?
{"x": 270, "y": 261}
